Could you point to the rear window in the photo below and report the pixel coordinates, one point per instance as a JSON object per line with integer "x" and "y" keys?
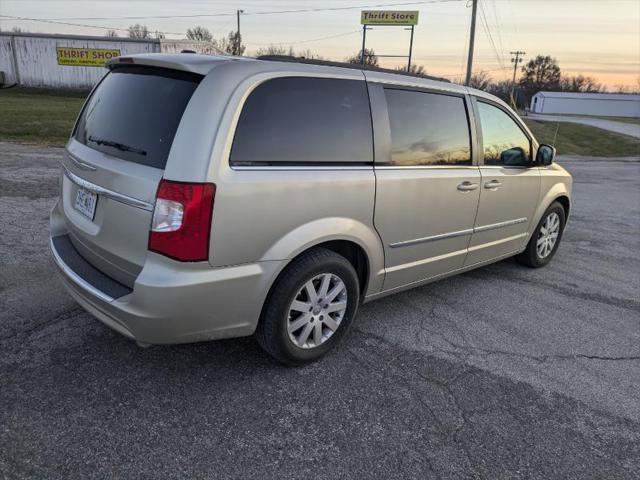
{"x": 135, "y": 112}
{"x": 297, "y": 120}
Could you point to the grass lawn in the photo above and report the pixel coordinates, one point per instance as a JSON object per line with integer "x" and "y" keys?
{"x": 576, "y": 139}
{"x": 633, "y": 120}
{"x": 30, "y": 115}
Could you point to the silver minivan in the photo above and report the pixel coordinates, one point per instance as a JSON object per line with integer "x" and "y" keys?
{"x": 210, "y": 197}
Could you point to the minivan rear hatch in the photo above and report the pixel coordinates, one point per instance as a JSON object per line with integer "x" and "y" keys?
{"x": 115, "y": 161}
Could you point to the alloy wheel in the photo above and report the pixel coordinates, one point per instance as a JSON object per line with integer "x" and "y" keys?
{"x": 317, "y": 310}
{"x": 548, "y": 235}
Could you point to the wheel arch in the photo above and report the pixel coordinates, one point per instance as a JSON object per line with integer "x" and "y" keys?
{"x": 557, "y": 193}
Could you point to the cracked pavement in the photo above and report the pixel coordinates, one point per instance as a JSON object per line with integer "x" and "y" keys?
{"x": 503, "y": 372}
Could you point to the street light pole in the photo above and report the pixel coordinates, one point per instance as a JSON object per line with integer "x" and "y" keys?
{"x": 472, "y": 38}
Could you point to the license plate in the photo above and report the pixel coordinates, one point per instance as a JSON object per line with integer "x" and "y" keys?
{"x": 86, "y": 202}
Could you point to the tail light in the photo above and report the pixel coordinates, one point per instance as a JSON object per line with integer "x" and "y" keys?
{"x": 182, "y": 220}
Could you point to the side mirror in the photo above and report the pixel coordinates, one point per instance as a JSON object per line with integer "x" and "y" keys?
{"x": 545, "y": 156}
{"x": 514, "y": 157}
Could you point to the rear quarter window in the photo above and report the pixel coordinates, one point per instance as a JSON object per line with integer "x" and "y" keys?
{"x": 134, "y": 113}
{"x": 297, "y": 120}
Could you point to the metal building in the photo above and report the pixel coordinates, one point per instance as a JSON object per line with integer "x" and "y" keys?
{"x": 74, "y": 61}
{"x": 600, "y": 104}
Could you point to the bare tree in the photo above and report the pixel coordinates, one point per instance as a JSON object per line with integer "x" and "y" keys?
{"x": 111, "y": 33}
{"x": 276, "y": 50}
{"x": 139, "y": 31}
{"x": 580, "y": 83}
{"x": 287, "y": 51}
{"x": 481, "y": 81}
{"x": 415, "y": 69}
{"x": 309, "y": 54}
{"x": 18, "y": 30}
{"x": 541, "y": 73}
{"x": 199, "y": 33}
{"x": 370, "y": 57}
{"x": 231, "y": 44}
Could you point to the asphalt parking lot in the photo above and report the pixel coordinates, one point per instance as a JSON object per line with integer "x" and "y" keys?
{"x": 503, "y": 372}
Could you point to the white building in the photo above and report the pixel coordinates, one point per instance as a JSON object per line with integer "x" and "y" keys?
{"x": 600, "y": 104}
{"x": 74, "y": 61}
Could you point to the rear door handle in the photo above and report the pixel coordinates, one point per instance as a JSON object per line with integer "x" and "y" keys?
{"x": 493, "y": 185}
{"x": 467, "y": 186}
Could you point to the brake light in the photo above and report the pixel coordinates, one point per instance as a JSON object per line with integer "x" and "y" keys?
{"x": 182, "y": 220}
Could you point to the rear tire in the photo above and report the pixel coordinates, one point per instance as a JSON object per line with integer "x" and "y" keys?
{"x": 545, "y": 240}
{"x": 310, "y": 307}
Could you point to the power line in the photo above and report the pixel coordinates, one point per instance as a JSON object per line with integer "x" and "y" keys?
{"x": 485, "y": 26}
{"x": 56, "y": 22}
{"x": 307, "y": 41}
{"x": 496, "y": 17}
{"x": 272, "y": 12}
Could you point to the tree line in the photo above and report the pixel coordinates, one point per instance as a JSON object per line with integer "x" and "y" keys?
{"x": 541, "y": 73}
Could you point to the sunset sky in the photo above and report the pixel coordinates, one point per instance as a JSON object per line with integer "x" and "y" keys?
{"x": 599, "y": 38}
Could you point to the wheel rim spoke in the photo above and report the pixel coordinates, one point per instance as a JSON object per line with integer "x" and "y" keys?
{"x": 298, "y": 306}
{"x": 331, "y": 323}
{"x": 317, "y": 334}
{"x": 336, "y": 307}
{"x": 302, "y": 339}
{"x": 299, "y": 322}
{"x": 335, "y": 291}
{"x": 311, "y": 291}
{"x": 324, "y": 286}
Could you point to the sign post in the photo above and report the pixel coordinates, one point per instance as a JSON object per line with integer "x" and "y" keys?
{"x": 388, "y": 18}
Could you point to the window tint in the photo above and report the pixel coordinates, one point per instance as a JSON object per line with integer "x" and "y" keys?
{"x": 428, "y": 129}
{"x": 504, "y": 142}
{"x": 310, "y": 120}
{"x": 134, "y": 113}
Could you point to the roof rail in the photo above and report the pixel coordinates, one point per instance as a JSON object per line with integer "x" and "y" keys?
{"x": 355, "y": 66}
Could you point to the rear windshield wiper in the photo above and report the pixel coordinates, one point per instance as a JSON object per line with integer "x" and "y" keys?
{"x": 120, "y": 146}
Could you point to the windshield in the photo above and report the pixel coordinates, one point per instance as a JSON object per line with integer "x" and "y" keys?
{"x": 135, "y": 112}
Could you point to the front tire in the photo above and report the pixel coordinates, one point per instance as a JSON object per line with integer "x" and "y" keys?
{"x": 310, "y": 307}
{"x": 545, "y": 240}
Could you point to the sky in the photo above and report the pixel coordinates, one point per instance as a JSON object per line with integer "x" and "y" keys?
{"x": 598, "y": 38}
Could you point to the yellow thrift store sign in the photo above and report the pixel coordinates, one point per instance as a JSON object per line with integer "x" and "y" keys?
{"x": 85, "y": 57}
{"x": 389, "y": 17}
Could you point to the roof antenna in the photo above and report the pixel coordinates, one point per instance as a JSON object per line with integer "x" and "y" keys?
{"x": 556, "y": 135}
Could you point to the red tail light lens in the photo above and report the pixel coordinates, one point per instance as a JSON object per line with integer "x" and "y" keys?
{"x": 182, "y": 220}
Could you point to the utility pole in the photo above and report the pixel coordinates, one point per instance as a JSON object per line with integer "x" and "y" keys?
{"x": 515, "y": 61}
{"x": 238, "y": 38}
{"x": 472, "y": 38}
{"x": 364, "y": 42}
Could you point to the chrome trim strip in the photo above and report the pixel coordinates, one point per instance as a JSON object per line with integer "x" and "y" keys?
{"x": 426, "y": 167}
{"x": 80, "y": 164}
{"x": 493, "y": 226}
{"x": 118, "y": 197}
{"x": 459, "y": 233}
{"x": 432, "y": 238}
{"x": 497, "y": 242}
{"x": 296, "y": 167}
{"x": 75, "y": 278}
{"x": 425, "y": 261}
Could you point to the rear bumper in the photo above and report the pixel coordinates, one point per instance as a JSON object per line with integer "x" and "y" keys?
{"x": 171, "y": 302}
